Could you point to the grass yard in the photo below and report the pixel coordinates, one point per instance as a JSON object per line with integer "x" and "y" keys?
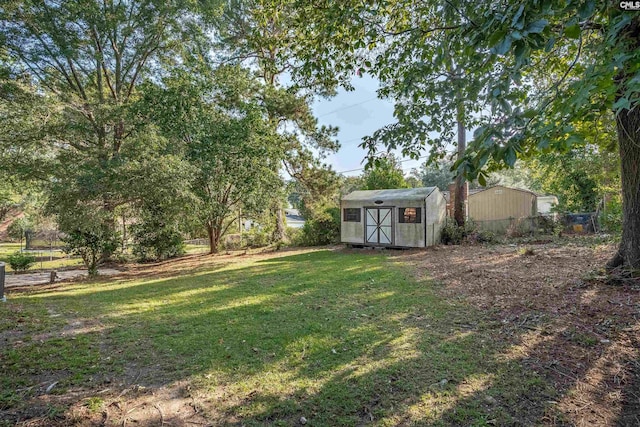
{"x": 46, "y": 260}
{"x": 196, "y": 249}
{"x": 7, "y": 249}
{"x": 340, "y": 338}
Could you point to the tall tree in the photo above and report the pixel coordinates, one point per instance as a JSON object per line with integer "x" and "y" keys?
{"x": 221, "y": 119}
{"x": 385, "y": 173}
{"x": 257, "y": 34}
{"x": 531, "y": 71}
{"x": 437, "y": 174}
{"x": 92, "y": 55}
{"x": 88, "y": 57}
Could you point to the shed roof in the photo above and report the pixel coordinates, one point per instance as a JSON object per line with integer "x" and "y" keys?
{"x": 419, "y": 193}
{"x": 505, "y": 187}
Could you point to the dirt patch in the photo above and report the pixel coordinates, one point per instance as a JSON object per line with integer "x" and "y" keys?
{"x": 557, "y": 316}
{"x": 32, "y": 279}
{"x": 172, "y": 405}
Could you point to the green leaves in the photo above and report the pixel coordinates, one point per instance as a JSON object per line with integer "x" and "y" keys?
{"x": 510, "y": 156}
{"x": 586, "y": 9}
{"x": 622, "y": 104}
{"x": 572, "y": 31}
{"x": 537, "y": 27}
{"x": 503, "y": 46}
{"x": 385, "y": 173}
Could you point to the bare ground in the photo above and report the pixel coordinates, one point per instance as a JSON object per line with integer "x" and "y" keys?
{"x": 44, "y": 278}
{"x": 560, "y": 318}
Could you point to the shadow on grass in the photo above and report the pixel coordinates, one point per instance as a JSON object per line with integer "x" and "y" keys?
{"x": 339, "y": 338}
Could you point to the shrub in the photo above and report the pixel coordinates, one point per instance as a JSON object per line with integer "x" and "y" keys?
{"x": 453, "y": 234}
{"x": 232, "y": 242}
{"x": 20, "y": 261}
{"x": 87, "y": 231}
{"x": 157, "y": 234}
{"x": 611, "y": 218}
{"x": 520, "y": 228}
{"x": 295, "y": 236}
{"x": 94, "y": 246}
{"x": 18, "y": 228}
{"x": 483, "y": 236}
{"x": 154, "y": 241}
{"x": 257, "y": 237}
{"x": 322, "y": 228}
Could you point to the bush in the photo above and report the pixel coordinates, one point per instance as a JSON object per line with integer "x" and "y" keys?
{"x": 520, "y": 228}
{"x": 18, "y": 228}
{"x": 88, "y": 231}
{"x": 157, "y": 234}
{"x": 20, "y": 261}
{"x": 547, "y": 225}
{"x": 257, "y": 237}
{"x": 295, "y": 236}
{"x": 232, "y": 242}
{"x": 483, "y": 236}
{"x": 322, "y": 229}
{"x": 153, "y": 241}
{"x": 94, "y": 246}
{"x": 611, "y": 218}
{"x": 452, "y": 234}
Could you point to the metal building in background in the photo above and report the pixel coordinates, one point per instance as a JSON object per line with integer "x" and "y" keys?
{"x": 499, "y": 207}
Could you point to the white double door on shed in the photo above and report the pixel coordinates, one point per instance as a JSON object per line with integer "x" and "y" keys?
{"x": 379, "y": 226}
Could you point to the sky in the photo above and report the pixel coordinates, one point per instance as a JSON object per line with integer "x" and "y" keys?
{"x": 357, "y": 114}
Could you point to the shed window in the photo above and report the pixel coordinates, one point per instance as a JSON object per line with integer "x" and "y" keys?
{"x": 410, "y": 215}
{"x": 351, "y": 215}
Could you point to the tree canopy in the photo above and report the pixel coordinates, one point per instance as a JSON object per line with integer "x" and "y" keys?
{"x": 385, "y": 173}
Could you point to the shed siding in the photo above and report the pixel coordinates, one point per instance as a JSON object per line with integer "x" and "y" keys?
{"x": 351, "y": 232}
{"x": 410, "y": 235}
{"x": 501, "y": 203}
{"x": 436, "y": 215}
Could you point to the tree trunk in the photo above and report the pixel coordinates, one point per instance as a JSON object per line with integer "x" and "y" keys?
{"x": 124, "y": 232}
{"x": 279, "y": 234}
{"x": 213, "y": 239}
{"x": 628, "y": 127}
{"x": 459, "y": 203}
{"x": 28, "y": 239}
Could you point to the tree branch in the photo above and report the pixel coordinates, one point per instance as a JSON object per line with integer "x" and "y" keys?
{"x": 102, "y": 63}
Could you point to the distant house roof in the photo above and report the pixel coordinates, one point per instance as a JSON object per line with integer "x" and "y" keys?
{"x": 294, "y": 218}
{"x": 292, "y": 211}
{"x": 393, "y": 194}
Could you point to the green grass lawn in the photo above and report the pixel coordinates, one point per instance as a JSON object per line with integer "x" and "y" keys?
{"x": 196, "y": 249}
{"x": 46, "y": 260}
{"x": 7, "y": 249}
{"x": 340, "y": 338}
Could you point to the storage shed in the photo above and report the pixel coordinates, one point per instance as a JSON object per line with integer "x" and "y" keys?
{"x": 496, "y": 208}
{"x": 405, "y": 218}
